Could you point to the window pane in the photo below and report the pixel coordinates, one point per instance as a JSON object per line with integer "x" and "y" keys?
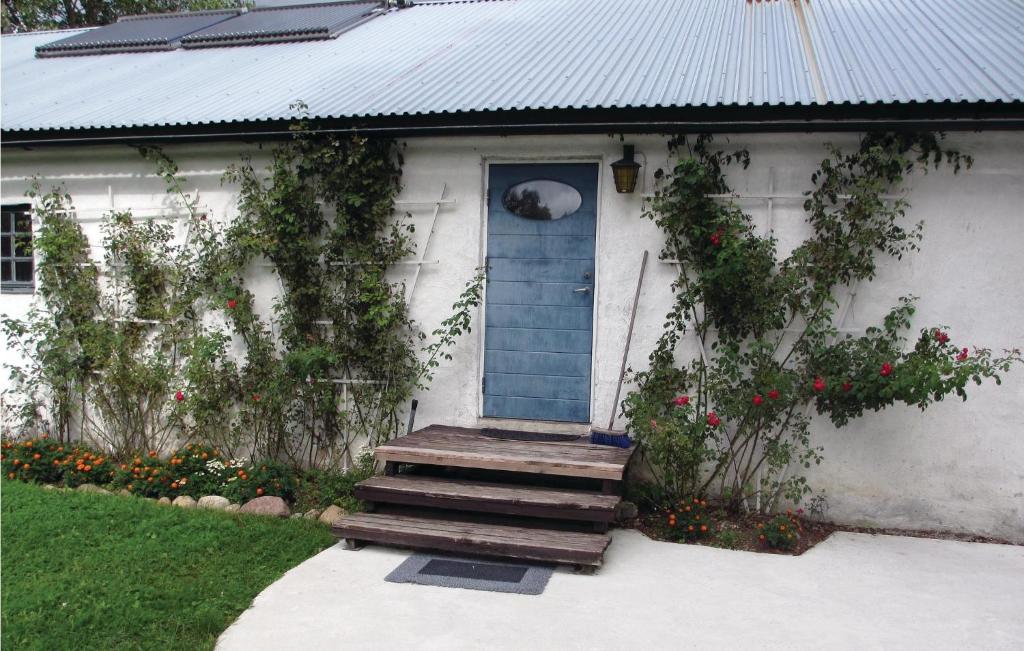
{"x": 5, "y": 245}
{"x": 542, "y": 199}
{"x": 6, "y": 270}
{"x": 23, "y": 271}
{"x": 22, "y": 223}
{"x": 8, "y": 220}
{"x": 23, "y": 245}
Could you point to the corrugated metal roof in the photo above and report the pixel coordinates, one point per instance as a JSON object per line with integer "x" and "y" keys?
{"x": 544, "y": 54}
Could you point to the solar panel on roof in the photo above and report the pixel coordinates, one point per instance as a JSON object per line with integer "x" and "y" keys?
{"x": 136, "y": 34}
{"x": 289, "y": 23}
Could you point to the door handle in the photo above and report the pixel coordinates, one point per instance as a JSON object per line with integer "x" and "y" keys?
{"x": 582, "y": 290}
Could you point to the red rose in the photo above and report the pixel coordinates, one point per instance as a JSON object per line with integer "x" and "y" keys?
{"x": 962, "y": 356}
{"x": 886, "y": 369}
{"x": 757, "y": 400}
{"x": 716, "y": 239}
{"x": 255, "y": 397}
{"x": 941, "y": 336}
{"x": 773, "y": 394}
{"x": 179, "y": 396}
{"x": 232, "y": 303}
{"x": 847, "y": 386}
{"x": 713, "y": 419}
{"x": 682, "y": 400}
{"x": 819, "y": 384}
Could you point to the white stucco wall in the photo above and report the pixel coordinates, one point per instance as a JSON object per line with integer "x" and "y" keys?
{"x": 958, "y": 466}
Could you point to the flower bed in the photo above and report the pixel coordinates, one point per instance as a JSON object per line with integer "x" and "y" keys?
{"x": 194, "y": 471}
{"x": 695, "y": 521}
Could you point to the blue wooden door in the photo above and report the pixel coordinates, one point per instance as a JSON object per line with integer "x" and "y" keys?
{"x": 541, "y": 226}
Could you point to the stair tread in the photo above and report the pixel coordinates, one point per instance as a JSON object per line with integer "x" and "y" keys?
{"x": 472, "y": 537}
{"x": 488, "y": 492}
{"x": 466, "y": 447}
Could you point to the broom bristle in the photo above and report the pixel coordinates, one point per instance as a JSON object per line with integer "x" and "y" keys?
{"x": 608, "y": 437}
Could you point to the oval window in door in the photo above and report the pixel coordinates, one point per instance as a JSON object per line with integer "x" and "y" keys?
{"x": 542, "y": 199}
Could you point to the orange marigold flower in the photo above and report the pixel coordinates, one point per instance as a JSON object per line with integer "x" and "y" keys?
{"x": 690, "y": 528}
{"x": 87, "y": 468}
{"x": 10, "y": 475}
{"x": 26, "y": 466}
{"x": 138, "y": 461}
{"x": 152, "y": 454}
{"x": 782, "y": 527}
{"x": 204, "y": 455}
{"x": 174, "y": 485}
{"x": 37, "y": 456}
{"x": 703, "y": 527}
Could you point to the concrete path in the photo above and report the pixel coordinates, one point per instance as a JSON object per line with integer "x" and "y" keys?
{"x": 854, "y": 591}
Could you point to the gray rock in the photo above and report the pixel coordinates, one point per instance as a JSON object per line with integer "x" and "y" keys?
{"x": 625, "y": 511}
{"x": 125, "y": 492}
{"x": 49, "y": 487}
{"x": 295, "y": 516}
{"x": 331, "y": 514}
{"x": 267, "y": 505}
{"x": 312, "y": 514}
{"x": 184, "y": 501}
{"x": 92, "y": 488}
{"x": 214, "y": 502}
{"x": 164, "y": 500}
{"x": 231, "y": 508}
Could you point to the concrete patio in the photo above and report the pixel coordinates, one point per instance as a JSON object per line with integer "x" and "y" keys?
{"x": 852, "y": 591}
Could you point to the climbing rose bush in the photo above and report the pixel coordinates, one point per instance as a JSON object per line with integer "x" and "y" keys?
{"x": 735, "y": 420}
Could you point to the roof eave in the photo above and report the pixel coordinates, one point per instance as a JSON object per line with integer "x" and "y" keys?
{"x": 946, "y": 116}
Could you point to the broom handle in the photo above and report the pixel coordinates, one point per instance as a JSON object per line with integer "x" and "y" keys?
{"x": 629, "y": 337}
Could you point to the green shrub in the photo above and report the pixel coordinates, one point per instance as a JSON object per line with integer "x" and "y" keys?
{"x": 322, "y": 488}
{"x": 781, "y": 532}
{"x": 200, "y": 470}
{"x": 727, "y": 539}
{"x": 86, "y": 466}
{"x": 37, "y": 459}
{"x": 264, "y": 478}
{"x": 145, "y": 475}
{"x": 689, "y": 520}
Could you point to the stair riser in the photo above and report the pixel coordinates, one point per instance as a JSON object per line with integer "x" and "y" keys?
{"x": 418, "y": 541}
{"x": 368, "y": 494}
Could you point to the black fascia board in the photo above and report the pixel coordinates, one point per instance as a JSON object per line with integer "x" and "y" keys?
{"x": 717, "y": 119}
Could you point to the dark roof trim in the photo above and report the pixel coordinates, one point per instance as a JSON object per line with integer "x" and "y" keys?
{"x": 932, "y": 116}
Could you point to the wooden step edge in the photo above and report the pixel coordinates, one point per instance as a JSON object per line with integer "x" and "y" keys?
{"x": 483, "y": 505}
{"x": 562, "y": 468}
{"x": 354, "y": 533}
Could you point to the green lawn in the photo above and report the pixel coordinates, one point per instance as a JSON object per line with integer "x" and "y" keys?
{"x": 87, "y": 571}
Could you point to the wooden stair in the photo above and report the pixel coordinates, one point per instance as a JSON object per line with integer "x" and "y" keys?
{"x": 486, "y": 497}
{"x": 451, "y": 489}
{"x": 545, "y": 545}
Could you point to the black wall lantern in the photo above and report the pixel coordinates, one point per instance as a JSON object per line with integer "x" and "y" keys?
{"x": 625, "y": 171}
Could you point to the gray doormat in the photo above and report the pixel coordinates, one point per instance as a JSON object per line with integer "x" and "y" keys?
{"x": 471, "y": 574}
{"x": 514, "y": 435}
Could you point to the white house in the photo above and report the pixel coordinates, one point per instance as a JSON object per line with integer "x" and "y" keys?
{"x": 490, "y": 94}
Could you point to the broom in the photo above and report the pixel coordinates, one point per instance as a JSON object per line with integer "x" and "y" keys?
{"x": 608, "y": 436}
